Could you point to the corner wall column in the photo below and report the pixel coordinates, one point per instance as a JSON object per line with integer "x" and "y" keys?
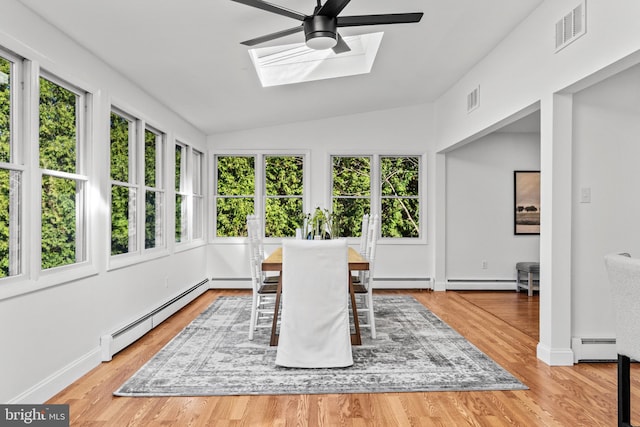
{"x": 554, "y": 347}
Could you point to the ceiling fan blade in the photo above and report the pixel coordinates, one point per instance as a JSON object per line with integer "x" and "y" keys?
{"x": 390, "y": 18}
{"x": 272, "y": 36}
{"x": 332, "y": 7}
{"x": 273, "y": 8}
{"x": 341, "y": 46}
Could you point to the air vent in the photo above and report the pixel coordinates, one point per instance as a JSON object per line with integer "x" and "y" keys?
{"x": 571, "y": 27}
{"x": 473, "y": 99}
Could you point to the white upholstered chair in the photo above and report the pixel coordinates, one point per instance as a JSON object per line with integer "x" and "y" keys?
{"x": 314, "y": 325}
{"x": 624, "y": 277}
{"x": 263, "y": 289}
{"x": 364, "y": 289}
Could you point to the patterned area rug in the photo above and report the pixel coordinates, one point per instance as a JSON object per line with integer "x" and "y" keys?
{"x": 414, "y": 351}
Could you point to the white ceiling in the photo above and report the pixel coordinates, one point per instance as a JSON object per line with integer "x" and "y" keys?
{"x": 187, "y": 54}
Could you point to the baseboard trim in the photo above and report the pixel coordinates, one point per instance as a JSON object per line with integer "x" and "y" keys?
{"x": 60, "y": 379}
{"x": 378, "y": 283}
{"x": 555, "y": 357}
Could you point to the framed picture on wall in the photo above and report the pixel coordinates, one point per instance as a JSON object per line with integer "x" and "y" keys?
{"x": 526, "y": 202}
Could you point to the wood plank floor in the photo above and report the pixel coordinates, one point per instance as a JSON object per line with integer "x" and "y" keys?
{"x": 580, "y": 395}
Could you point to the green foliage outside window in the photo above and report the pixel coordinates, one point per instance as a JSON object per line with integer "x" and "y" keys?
{"x": 5, "y": 110}
{"x": 153, "y": 198}
{"x": 181, "y": 200}
{"x": 5, "y": 151}
{"x": 58, "y": 151}
{"x": 122, "y": 197}
{"x": 58, "y": 222}
{"x": 351, "y": 193}
{"x": 284, "y": 187}
{"x": 400, "y": 194}
{"x": 235, "y": 194}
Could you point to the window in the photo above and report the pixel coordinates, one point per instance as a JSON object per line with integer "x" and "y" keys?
{"x": 182, "y": 200}
{"x": 124, "y": 188}
{"x": 392, "y": 192}
{"x": 400, "y": 196}
{"x": 274, "y": 191}
{"x": 189, "y": 180}
{"x": 154, "y": 188}
{"x": 235, "y": 194}
{"x": 283, "y": 195}
{"x": 351, "y": 193}
{"x": 63, "y": 187}
{"x": 11, "y": 170}
{"x": 197, "y": 191}
{"x": 137, "y": 185}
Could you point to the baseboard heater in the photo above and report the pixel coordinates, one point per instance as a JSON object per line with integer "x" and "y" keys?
{"x": 402, "y": 283}
{"x": 112, "y": 343}
{"x": 594, "y": 349}
{"x": 481, "y": 284}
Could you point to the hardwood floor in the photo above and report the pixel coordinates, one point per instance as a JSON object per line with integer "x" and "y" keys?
{"x": 580, "y": 395}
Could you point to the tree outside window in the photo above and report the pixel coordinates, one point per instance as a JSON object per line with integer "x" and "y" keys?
{"x": 182, "y": 223}
{"x": 284, "y": 176}
{"x": 11, "y": 171}
{"x": 62, "y": 209}
{"x": 154, "y": 188}
{"x": 123, "y": 185}
{"x": 235, "y": 194}
{"x": 400, "y": 196}
{"x": 351, "y": 193}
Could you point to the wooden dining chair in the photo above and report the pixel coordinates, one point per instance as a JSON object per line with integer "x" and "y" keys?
{"x": 314, "y": 325}
{"x": 624, "y": 277}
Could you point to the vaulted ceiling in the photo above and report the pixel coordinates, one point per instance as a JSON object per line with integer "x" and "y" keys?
{"x": 187, "y": 54}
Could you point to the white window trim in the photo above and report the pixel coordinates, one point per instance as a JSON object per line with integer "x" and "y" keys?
{"x": 17, "y": 222}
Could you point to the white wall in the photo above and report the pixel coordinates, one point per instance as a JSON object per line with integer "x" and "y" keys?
{"x": 402, "y": 130}
{"x": 606, "y": 152}
{"x": 480, "y": 207}
{"x": 51, "y": 335}
{"x": 525, "y": 71}
{"x": 524, "y": 68}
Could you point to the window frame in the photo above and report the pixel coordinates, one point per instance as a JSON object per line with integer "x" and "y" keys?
{"x": 133, "y": 182}
{"x": 259, "y": 196}
{"x": 376, "y": 191}
{"x": 192, "y": 190}
{"x": 18, "y": 241}
{"x": 141, "y": 254}
{"x": 80, "y": 177}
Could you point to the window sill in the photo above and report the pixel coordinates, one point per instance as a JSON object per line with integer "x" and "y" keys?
{"x": 11, "y": 287}
{"x": 126, "y": 260}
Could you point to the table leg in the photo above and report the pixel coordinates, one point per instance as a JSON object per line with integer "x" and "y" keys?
{"x": 355, "y": 338}
{"x": 276, "y": 310}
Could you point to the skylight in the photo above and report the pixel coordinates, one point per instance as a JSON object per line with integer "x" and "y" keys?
{"x": 296, "y": 63}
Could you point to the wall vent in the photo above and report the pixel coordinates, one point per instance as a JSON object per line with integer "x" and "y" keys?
{"x": 571, "y": 26}
{"x": 473, "y": 99}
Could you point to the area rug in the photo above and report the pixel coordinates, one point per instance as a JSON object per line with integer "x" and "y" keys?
{"x": 414, "y": 351}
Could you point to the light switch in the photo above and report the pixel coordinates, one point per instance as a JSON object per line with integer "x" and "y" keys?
{"x": 585, "y": 195}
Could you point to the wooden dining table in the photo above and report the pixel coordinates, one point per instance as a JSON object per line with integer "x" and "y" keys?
{"x": 356, "y": 263}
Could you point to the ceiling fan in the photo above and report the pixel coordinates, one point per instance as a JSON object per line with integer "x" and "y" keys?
{"x": 321, "y": 27}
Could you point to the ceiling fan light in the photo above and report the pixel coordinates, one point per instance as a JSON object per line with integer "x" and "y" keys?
{"x": 321, "y": 40}
{"x": 320, "y": 32}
